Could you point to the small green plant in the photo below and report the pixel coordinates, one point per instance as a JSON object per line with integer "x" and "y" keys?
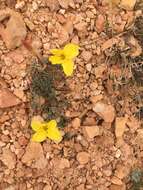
{"x": 136, "y": 178}
{"x": 138, "y": 29}
{"x": 48, "y": 83}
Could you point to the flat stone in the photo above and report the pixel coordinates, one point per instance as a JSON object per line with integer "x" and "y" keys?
{"x": 115, "y": 180}
{"x": 91, "y": 131}
{"x": 34, "y": 153}
{"x": 8, "y": 158}
{"x": 105, "y": 111}
{"x": 15, "y": 31}
{"x": 8, "y": 99}
{"x": 20, "y": 94}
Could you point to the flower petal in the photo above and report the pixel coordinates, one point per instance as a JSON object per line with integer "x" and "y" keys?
{"x": 71, "y": 50}
{"x": 39, "y": 136}
{"x": 53, "y": 132}
{"x": 68, "y": 67}
{"x": 52, "y": 123}
{"x": 56, "y": 51}
{"x": 56, "y": 59}
{"x": 36, "y": 125}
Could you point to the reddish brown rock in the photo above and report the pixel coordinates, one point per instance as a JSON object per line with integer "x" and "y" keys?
{"x": 7, "y": 99}
{"x": 83, "y": 157}
{"x": 105, "y": 111}
{"x": 15, "y": 30}
{"x": 19, "y": 93}
{"x": 34, "y": 153}
{"x": 120, "y": 126}
{"x": 100, "y": 23}
{"x": 91, "y": 131}
{"x": 76, "y": 123}
{"x": 22, "y": 141}
{"x": 115, "y": 180}
{"x": 8, "y": 158}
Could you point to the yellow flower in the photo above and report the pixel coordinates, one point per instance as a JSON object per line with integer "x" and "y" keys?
{"x": 44, "y": 130}
{"x": 65, "y": 57}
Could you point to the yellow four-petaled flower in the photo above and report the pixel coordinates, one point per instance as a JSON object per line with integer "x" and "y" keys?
{"x": 44, "y": 130}
{"x": 65, "y": 57}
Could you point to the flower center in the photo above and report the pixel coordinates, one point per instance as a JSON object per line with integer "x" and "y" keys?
{"x": 62, "y": 56}
{"x": 45, "y": 127}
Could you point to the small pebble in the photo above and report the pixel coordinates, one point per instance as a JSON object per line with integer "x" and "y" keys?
{"x": 83, "y": 157}
{"x": 76, "y": 123}
{"x": 88, "y": 67}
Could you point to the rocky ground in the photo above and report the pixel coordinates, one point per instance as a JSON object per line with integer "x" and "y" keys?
{"x": 103, "y": 134}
